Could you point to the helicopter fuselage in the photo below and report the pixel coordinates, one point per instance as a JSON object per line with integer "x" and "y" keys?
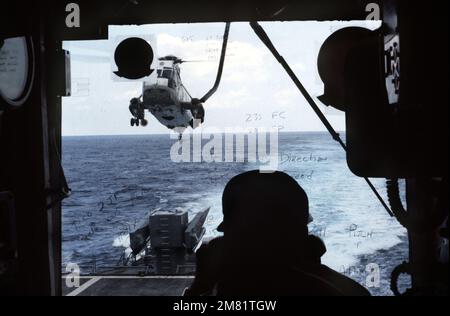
{"x": 165, "y": 105}
{"x": 167, "y": 99}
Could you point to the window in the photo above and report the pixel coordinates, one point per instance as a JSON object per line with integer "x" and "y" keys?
{"x": 119, "y": 173}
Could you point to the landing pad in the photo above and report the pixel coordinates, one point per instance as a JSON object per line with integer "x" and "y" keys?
{"x": 128, "y": 286}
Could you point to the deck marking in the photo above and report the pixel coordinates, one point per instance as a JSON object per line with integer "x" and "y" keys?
{"x": 137, "y": 277}
{"x": 84, "y": 287}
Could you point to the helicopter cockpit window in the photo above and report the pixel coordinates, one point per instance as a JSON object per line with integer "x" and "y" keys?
{"x": 166, "y": 73}
{"x": 122, "y": 174}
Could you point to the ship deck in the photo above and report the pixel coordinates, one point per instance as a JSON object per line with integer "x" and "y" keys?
{"x": 128, "y": 286}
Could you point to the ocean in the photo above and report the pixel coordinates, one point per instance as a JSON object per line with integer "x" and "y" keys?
{"x": 118, "y": 180}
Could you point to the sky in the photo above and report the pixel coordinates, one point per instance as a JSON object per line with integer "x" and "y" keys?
{"x": 255, "y": 90}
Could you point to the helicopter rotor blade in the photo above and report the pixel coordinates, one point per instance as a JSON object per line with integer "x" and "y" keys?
{"x": 195, "y": 61}
{"x": 220, "y": 70}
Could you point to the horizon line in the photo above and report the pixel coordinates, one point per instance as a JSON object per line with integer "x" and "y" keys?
{"x": 168, "y": 134}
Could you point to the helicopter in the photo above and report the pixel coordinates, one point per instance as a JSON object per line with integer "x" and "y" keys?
{"x": 169, "y": 101}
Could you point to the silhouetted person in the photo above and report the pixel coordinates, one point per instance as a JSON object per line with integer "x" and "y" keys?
{"x": 266, "y": 249}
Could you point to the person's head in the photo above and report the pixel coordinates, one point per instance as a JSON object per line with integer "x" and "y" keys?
{"x": 264, "y": 213}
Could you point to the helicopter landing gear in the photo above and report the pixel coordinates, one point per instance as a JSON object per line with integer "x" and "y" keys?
{"x": 137, "y": 122}
{"x": 199, "y": 113}
{"x": 199, "y": 116}
{"x": 137, "y": 110}
{"x": 134, "y": 122}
